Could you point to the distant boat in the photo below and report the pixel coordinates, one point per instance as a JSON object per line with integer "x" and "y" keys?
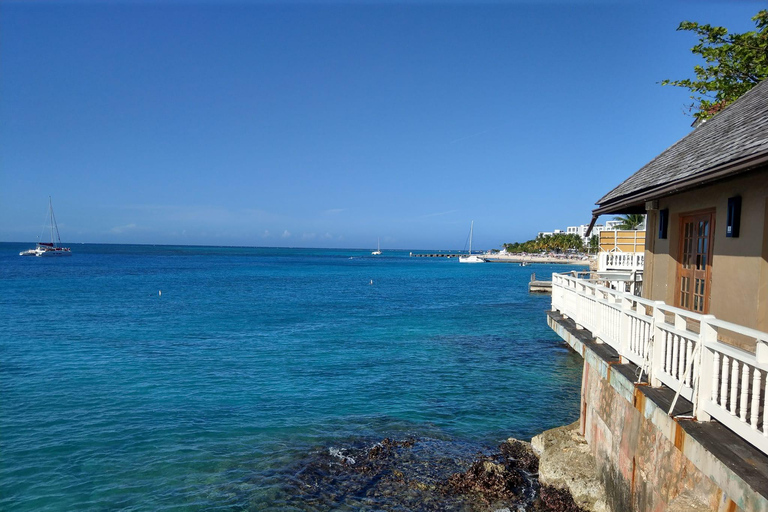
{"x": 472, "y": 258}
{"x": 52, "y": 248}
{"x": 377, "y": 252}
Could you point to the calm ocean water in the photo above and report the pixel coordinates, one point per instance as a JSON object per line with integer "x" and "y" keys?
{"x": 212, "y": 395}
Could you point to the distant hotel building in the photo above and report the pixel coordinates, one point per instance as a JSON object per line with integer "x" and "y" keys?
{"x": 550, "y": 233}
{"x": 582, "y": 230}
{"x": 610, "y": 225}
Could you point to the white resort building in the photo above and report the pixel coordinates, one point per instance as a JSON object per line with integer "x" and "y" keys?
{"x": 583, "y": 229}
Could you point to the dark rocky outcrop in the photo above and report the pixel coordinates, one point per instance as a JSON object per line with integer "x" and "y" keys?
{"x": 424, "y": 474}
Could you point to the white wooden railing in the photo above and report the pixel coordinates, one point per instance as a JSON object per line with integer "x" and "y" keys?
{"x": 617, "y": 260}
{"x": 679, "y": 349}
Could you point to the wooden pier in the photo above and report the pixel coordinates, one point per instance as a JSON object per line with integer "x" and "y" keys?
{"x": 539, "y": 286}
{"x": 436, "y": 255}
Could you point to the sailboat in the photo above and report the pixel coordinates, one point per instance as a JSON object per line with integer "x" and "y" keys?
{"x": 377, "y": 252}
{"x": 471, "y": 258}
{"x": 52, "y": 248}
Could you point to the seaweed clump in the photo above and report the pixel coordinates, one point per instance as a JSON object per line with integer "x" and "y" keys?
{"x": 507, "y": 476}
{"x": 488, "y": 479}
{"x": 510, "y": 476}
{"x": 552, "y": 499}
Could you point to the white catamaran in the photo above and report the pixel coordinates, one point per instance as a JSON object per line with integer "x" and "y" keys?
{"x": 472, "y": 258}
{"x": 54, "y": 248}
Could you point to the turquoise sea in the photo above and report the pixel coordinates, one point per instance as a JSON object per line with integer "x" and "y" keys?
{"x": 211, "y": 378}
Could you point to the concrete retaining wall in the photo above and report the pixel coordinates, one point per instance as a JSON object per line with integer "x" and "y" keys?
{"x": 644, "y": 458}
{"x": 637, "y": 463}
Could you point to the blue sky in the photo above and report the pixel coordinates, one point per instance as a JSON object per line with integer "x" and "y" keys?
{"x": 329, "y": 124}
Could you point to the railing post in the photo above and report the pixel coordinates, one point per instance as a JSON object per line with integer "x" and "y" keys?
{"x": 579, "y": 316}
{"x": 625, "y": 327}
{"x": 761, "y": 351}
{"x": 555, "y": 292}
{"x": 593, "y": 314}
{"x": 658, "y": 347}
{"x": 705, "y": 368}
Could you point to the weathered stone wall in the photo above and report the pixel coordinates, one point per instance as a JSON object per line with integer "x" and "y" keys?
{"x": 639, "y": 465}
{"x": 645, "y": 459}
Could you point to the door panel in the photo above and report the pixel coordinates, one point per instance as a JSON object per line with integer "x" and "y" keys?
{"x": 694, "y": 267}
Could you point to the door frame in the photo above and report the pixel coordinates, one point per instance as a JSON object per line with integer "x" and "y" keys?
{"x": 712, "y": 212}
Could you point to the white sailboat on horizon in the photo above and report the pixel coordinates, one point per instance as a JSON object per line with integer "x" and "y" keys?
{"x": 52, "y": 248}
{"x": 471, "y": 258}
{"x": 377, "y": 252}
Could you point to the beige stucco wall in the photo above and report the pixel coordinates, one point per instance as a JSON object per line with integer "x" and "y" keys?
{"x": 740, "y": 265}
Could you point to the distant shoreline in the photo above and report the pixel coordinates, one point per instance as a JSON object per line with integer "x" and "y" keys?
{"x": 510, "y": 258}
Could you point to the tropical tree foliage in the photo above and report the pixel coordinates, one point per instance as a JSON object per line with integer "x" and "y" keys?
{"x": 631, "y": 221}
{"x": 734, "y": 64}
{"x": 559, "y": 242}
{"x": 594, "y": 244}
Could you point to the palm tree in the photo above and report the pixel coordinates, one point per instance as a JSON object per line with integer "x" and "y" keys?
{"x": 630, "y": 221}
{"x": 594, "y": 243}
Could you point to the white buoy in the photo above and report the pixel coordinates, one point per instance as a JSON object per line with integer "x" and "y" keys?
{"x": 371, "y": 281}
{"x": 159, "y": 293}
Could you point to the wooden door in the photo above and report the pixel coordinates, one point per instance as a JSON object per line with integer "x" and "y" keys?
{"x": 694, "y": 264}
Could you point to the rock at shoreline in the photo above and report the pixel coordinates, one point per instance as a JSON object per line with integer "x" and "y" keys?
{"x": 510, "y": 477}
{"x": 422, "y": 475}
{"x": 522, "y": 453}
{"x": 566, "y": 462}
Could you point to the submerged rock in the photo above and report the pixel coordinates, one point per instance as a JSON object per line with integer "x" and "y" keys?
{"x": 422, "y": 474}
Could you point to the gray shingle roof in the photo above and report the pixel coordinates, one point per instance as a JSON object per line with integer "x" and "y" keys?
{"x": 738, "y": 132}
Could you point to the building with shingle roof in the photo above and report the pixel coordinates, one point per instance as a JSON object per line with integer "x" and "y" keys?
{"x": 734, "y": 141}
{"x": 694, "y": 434}
{"x": 706, "y": 197}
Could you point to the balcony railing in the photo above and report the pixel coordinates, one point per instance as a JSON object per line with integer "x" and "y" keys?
{"x": 618, "y": 260}
{"x": 719, "y": 366}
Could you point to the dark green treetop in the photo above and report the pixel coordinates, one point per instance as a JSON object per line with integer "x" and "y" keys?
{"x": 734, "y": 64}
{"x": 630, "y": 221}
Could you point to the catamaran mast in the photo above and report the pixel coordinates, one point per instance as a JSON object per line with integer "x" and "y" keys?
{"x": 471, "y": 226}
{"x": 54, "y": 225}
{"x": 50, "y": 217}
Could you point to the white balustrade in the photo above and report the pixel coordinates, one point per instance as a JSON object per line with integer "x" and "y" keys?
{"x": 617, "y": 260}
{"x": 679, "y": 349}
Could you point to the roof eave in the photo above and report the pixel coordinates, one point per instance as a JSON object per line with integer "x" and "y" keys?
{"x": 634, "y": 203}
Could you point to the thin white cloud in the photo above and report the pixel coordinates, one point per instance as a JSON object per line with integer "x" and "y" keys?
{"x": 266, "y": 234}
{"x": 286, "y": 234}
{"x": 122, "y": 229}
{"x": 205, "y": 214}
{"x": 438, "y": 214}
{"x": 468, "y": 137}
{"x": 334, "y": 211}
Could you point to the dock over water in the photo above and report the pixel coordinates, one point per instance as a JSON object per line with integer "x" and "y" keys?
{"x": 536, "y": 286}
{"x": 436, "y": 255}
{"x": 506, "y": 258}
